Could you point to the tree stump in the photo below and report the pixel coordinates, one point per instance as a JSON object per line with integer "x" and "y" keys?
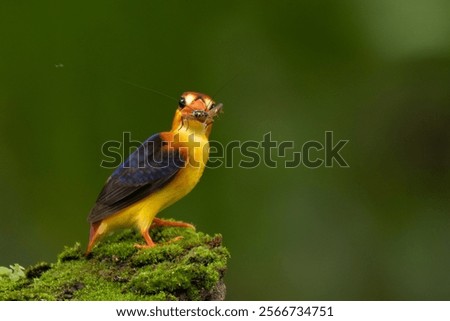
{"x": 190, "y": 268}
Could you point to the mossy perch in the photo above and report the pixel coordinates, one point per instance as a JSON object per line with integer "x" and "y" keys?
{"x": 191, "y": 268}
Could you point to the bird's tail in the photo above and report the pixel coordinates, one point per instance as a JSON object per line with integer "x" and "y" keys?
{"x": 93, "y": 235}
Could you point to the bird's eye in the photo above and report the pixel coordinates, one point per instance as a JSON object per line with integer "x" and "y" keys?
{"x": 212, "y": 106}
{"x": 182, "y": 102}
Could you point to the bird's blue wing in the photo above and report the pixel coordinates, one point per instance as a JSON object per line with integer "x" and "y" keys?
{"x": 146, "y": 170}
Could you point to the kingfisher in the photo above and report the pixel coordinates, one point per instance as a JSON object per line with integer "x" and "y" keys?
{"x": 161, "y": 171}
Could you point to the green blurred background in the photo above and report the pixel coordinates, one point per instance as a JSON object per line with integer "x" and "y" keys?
{"x": 374, "y": 72}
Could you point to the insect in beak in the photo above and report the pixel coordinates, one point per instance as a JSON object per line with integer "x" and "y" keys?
{"x": 207, "y": 117}
{"x": 201, "y": 115}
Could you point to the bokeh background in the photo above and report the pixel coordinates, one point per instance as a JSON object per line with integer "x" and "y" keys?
{"x": 374, "y": 72}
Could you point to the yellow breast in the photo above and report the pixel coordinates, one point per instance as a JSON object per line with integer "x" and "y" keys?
{"x": 197, "y": 147}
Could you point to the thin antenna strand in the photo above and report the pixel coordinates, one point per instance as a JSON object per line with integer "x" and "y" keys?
{"x": 226, "y": 83}
{"x": 148, "y": 89}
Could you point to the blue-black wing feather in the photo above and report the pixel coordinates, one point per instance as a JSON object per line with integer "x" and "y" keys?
{"x": 147, "y": 169}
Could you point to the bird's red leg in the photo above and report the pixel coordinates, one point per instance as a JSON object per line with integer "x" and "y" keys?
{"x": 148, "y": 240}
{"x": 161, "y": 222}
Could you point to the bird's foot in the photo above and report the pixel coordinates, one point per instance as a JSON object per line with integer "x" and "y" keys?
{"x": 175, "y": 239}
{"x": 148, "y": 240}
{"x": 144, "y": 246}
{"x": 147, "y": 246}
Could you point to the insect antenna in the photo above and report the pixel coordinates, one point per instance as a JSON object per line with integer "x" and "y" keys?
{"x": 148, "y": 89}
{"x": 226, "y": 83}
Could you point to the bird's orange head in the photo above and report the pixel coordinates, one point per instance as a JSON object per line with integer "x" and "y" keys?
{"x": 195, "y": 109}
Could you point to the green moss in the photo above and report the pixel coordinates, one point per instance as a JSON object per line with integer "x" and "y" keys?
{"x": 115, "y": 251}
{"x": 169, "y": 252}
{"x": 13, "y": 273}
{"x": 36, "y": 270}
{"x": 191, "y": 268}
{"x": 70, "y": 253}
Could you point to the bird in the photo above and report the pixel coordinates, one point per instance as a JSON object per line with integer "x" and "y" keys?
{"x": 161, "y": 171}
